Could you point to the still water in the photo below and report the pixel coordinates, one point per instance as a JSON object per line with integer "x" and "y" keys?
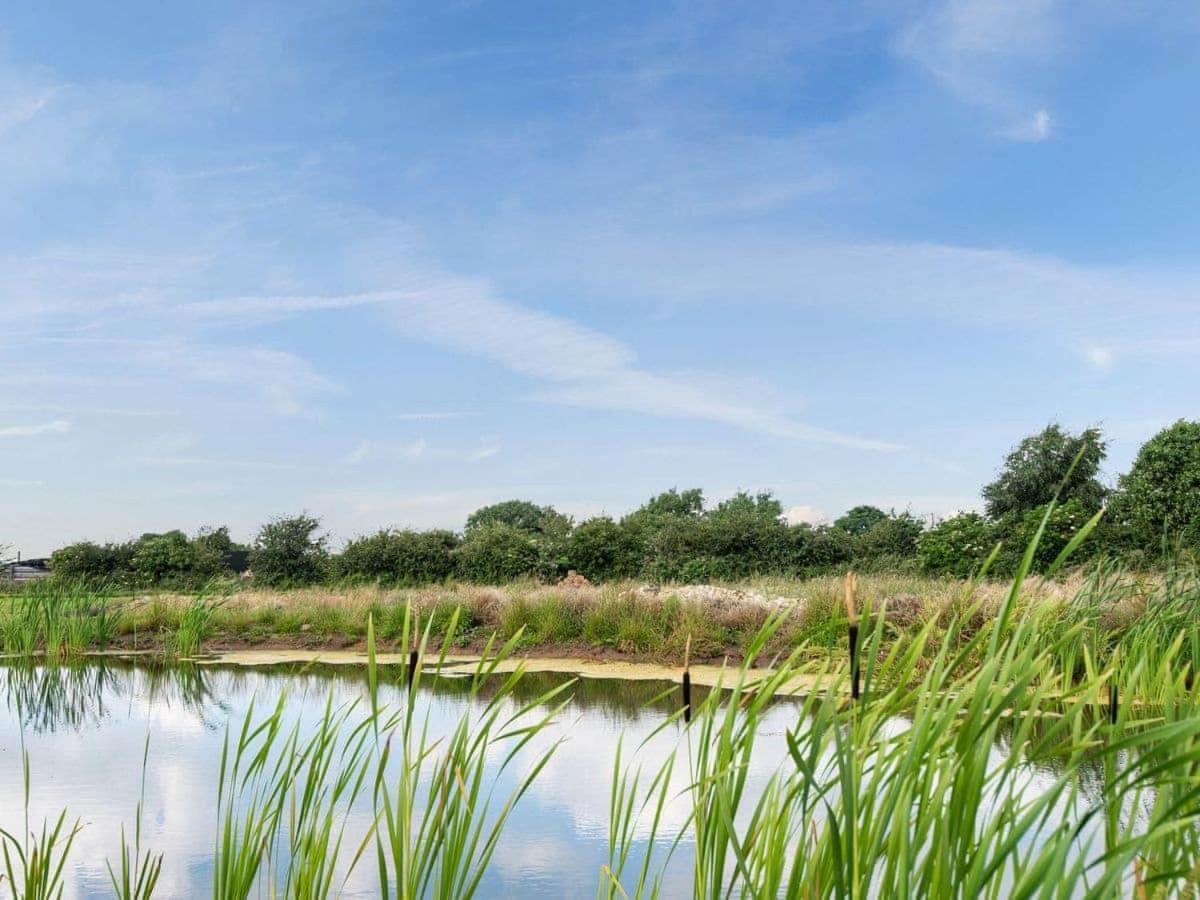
{"x": 85, "y": 730}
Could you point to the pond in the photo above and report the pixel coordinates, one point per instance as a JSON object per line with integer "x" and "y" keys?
{"x": 87, "y": 727}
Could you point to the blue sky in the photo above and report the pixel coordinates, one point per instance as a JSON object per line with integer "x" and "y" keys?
{"x": 390, "y": 262}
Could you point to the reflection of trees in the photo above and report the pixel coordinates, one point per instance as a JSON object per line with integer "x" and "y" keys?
{"x": 80, "y": 695}
{"x": 75, "y": 696}
{"x": 49, "y": 698}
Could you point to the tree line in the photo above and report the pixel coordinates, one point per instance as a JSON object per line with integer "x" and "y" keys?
{"x": 1151, "y": 513}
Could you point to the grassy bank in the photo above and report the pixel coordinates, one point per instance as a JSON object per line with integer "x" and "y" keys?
{"x": 1104, "y": 611}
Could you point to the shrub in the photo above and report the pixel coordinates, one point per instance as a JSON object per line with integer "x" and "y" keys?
{"x": 288, "y": 553}
{"x": 90, "y": 562}
{"x": 495, "y": 553}
{"x": 956, "y": 546}
{"x": 602, "y": 550}
{"x": 171, "y": 559}
{"x": 1016, "y": 532}
{"x": 675, "y": 551}
{"x": 745, "y": 535}
{"x": 1159, "y": 499}
{"x": 813, "y": 550}
{"x": 399, "y": 557}
{"x": 893, "y": 536}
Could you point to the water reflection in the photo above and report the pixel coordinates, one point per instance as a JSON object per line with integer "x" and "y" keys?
{"x": 84, "y": 727}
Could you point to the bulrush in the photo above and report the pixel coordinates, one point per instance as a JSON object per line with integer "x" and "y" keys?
{"x": 687, "y": 680}
{"x": 852, "y": 617}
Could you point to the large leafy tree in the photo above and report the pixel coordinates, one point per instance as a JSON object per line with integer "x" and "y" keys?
{"x": 288, "y": 552}
{"x": 860, "y": 519}
{"x": 520, "y": 514}
{"x": 1159, "y": 498}
{"x": 1035, "y": 469}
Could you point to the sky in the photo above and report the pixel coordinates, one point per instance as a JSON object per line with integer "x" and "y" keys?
{"x": 389, "y": 262}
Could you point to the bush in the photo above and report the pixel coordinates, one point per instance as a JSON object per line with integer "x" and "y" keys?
{"x": 956, "y": 546}
{"x": 399, "y": 557}
{"x": 496, "y": 553}
{"x": 1016, "y": 533}
{"x": 894, "y": 536}
{"x": 602, "y": 550}
{"x": 745, "y": 535}
{"x": 171, "y": 560}
{"x": 1158, "y": 504}
{"x": 814, "y": 550}
{"x": 675, "y": 551}
{"x": 90, "y": 562}
{"x": 287, "y": 552}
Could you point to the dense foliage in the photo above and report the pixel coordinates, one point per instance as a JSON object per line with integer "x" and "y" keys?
{"x": 675, "y": 536}
{"x": 289, "y": 553}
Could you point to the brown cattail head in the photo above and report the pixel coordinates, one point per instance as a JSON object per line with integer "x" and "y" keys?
{"x": 687, "y": 652}
{"x": 851, "y": 603}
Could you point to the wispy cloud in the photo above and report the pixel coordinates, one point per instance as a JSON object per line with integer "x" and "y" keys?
{"x": 586, "y": 367}
{"x": 981, "y": 51}
{"x": 428, "y": 416}
{"x": 377, "y": 450}
{"x": 58, "y": 426}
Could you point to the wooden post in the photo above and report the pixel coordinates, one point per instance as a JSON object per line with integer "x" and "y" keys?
{"x": 852, "y": 615}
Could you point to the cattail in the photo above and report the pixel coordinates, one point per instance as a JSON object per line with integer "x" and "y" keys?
{"x": 1112, "y": 700}
{"x": 852, "y": 615}
{"x": 412, "y": 666}
{"x": 687, "y": 681}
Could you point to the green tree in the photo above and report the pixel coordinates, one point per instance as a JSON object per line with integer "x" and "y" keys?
{"x": 1016, "y": 531}
{"x": 89, "y": 561}
{"x": 601, "y": 550}
{"x": 956, "y": 546}
{"x": 1158, "y": 501}
{"x": 859, "y": 520}
{"x": 171, "y": 559}
{"x": 521, "y": 514}
{"x": 814, "y": 550}
{"x": 1036, "y": 468}
{"x": 496, "y": 553}
{"x": 399, "y": 557}
{"x": 289, "y": 553}
{"x": 233, "y": 556}
{"x": 745, "y": 535}
{"x": 892, "y": 538}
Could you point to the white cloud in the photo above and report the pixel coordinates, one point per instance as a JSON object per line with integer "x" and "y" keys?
{"x": 982, "y": 52}
{"x": 375, "y": 450}
{"x": 1099, "y": 358}
{"x": 806, "y": 515}
{"x": 1037, "y": 128}
{"x": 587, "y": 368}
{"x": 58, "y": 426}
